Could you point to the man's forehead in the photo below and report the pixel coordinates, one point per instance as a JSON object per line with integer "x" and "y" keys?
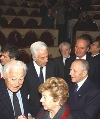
{"x": 5, "y": 52}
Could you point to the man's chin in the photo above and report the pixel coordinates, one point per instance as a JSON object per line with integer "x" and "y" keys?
{"x": 15, "y": 90}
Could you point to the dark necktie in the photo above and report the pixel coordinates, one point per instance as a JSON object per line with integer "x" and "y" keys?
{"x": 41, "y": 75}
{"x": 16, "y": 106}
{"x": 75, "y": 89}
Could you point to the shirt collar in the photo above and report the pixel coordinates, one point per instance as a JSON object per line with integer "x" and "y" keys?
{"x": 95, "y": 55}
{"x": 35, "y": 64}
{"x": 84, "y": 57}
{"x": 67, "y": 57}
{"x": 81, "y": 82}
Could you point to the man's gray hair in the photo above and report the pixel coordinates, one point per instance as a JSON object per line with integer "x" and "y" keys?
{"x": 85, "y": 64}
{"x": 64, "y": 43}
{"x": 14, "y": 64}
{"x": 39, "y": 45}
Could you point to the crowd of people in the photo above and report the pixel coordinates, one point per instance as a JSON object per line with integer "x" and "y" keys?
{"x": 62, "y": 13}
{"x": 65, "y": 87}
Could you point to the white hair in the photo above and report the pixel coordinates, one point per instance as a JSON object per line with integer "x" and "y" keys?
{"x": 64, "y": 44}
{"x": 39, "y": 45}
{"x": 14, "y": 64}
{"x": 85, "y": 64}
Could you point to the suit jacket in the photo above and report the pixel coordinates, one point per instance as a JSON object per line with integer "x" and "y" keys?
{"x": 32, "y": 82}
{"x": 96, "y": 56}
{"x": 47, "y": 22}
{"x": 6, "y": 109}
{"x": 44, "y": 114}
{"x": 85, "y": 103}
{"x": 61, "y": 66}
{"x": 94, "y": 69}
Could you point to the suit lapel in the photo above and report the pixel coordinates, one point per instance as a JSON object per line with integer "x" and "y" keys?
{"x": 82, "y": 89}
{"x": 7, "y": 104}
{"x": 24, "y": 99}
{"x": 35, "y": 73}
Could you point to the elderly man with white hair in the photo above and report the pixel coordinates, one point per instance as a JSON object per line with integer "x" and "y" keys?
{"x": 13, "y": 97}
{"x": 38, "y": 71}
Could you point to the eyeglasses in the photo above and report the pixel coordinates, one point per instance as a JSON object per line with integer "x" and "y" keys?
{"x": 95, "y": 44}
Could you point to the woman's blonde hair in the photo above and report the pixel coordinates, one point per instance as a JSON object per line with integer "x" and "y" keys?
{"x": 58, "y": 89}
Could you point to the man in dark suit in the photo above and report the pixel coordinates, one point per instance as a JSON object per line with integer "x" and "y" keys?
{"x": 84, "y": 97}
{"x": 64, "y": 49}
{"x": 81, "y": 47}
{"x": 48, "y": 20}
{"x": 95, "y": 49}
{"x": 32, "y": 79}
{"x": 10, "y": 86}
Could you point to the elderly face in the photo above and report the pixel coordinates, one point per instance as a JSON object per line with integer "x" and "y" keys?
{"x": 14, "y": 79}
{"x": 47, "y": 101}
{"x": 81, "y": 48}
{"x": 76, "y": 72}
{"x": 65, "y": 51}
{"x": 5, "y": 58}
{"x": 42, "y": 57}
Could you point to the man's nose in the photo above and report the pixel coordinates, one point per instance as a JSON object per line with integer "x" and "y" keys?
{"x": 17, "y": 82}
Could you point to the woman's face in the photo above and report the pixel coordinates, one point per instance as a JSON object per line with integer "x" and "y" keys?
{"x": 47, "y": 101}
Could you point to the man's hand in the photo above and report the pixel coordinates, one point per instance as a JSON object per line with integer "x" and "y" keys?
{"x": 30, "y": 117}
{"x": 22, "y": 117}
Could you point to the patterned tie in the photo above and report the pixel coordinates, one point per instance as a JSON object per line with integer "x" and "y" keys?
{"x": 16, "y": 106}
{"x": 75, "y": 89}
{"x": 41, "y": 75}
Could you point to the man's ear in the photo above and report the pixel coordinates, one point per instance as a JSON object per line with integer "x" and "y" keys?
{"x": 99, "y": 50}
{"x": 13, "y": 58}
{"x": 85, "y": 73}
{"x": 59, "y": 52}
{"x": 70, "y": 50}
{"x": 34, "y": 58}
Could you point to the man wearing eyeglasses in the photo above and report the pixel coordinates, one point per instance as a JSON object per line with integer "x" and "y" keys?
{"x": 95, "y": 49}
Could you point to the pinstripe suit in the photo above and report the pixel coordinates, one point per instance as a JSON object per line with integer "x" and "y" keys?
{"x": 6, "y": 109}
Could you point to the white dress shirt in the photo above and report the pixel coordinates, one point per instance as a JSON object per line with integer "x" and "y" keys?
{"x": 18, "y": 94}
{"x": 1, "y": 68}
{"x": 81, "y": 83}
{"x": 84, "y": 57}
{"x": 37, "y": 68}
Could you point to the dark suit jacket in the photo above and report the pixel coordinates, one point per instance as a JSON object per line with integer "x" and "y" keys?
{"x": 85, "y": 103}
{"x": 47, "y": 22}
{"x": 59, "y": 61}
{"x": 6, "y": 109}
{"x": 97, "y": 56}
{"x": 94, "y": 69}
{"x": 32, "y": 82}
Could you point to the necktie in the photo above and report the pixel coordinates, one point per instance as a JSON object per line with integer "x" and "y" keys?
{"x": 16, "y": 106}
{"x": 75, "y": 89}
{"x": 41, "y": 75}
